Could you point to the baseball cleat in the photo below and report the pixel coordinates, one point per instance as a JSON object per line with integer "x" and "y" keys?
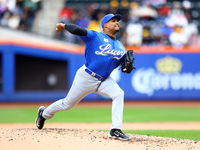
{"x": 40, "y": 120}
{"x": 118, "y": 134}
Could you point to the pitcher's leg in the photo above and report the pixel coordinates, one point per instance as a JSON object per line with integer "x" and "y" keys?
{"x": 63, "y": 104}
{"x": 55, "y": 107}
{"x": 82, "y": 86}
{"x": 73, "y": 97}
{"x": 111, "y": 89}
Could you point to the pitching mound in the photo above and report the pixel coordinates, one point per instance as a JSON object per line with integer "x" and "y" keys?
{"x": 84, "y": 139}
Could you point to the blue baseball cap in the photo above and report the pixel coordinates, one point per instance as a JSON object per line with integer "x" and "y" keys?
{"x": 108, "y": 17}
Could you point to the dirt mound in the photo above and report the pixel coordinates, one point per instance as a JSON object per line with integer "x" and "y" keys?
{"x": 84, "y": 139}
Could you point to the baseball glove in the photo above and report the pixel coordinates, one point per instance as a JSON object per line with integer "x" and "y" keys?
{"x": 127, "y": 65}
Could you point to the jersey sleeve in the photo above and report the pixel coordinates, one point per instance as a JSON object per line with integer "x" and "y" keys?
{"x": 89, "y": 35}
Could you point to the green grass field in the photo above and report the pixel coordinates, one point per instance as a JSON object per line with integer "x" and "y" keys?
{"x": 28, "y": 115}
{"x": 181, "y": 134}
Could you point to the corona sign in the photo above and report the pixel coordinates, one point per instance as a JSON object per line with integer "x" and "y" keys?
{"x": 167, "y": 75}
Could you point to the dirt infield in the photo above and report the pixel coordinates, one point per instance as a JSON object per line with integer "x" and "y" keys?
{"x": 87, "y": 136}
{"x": 84, "y": 139}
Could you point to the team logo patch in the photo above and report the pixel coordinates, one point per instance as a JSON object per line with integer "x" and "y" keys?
{"x": 106, "y": 40}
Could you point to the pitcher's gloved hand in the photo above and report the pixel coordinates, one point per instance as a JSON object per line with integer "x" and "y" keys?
{"x": 127, "y": 65}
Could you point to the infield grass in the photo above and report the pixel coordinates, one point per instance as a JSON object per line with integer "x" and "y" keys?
{"x": 181, "y": 134}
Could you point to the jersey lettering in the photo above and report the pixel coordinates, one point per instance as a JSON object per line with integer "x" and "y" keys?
{"x": 106, "y": 50}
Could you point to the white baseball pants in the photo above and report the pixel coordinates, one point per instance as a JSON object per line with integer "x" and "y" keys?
{"x": 85, "y": 84}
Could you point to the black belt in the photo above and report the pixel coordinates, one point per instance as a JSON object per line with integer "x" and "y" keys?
{"x": 100, "y": 78}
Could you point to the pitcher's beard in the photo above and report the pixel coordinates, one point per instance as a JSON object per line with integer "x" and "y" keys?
{"x": 116, "y": 30}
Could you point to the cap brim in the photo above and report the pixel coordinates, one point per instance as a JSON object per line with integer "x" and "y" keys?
{"x": 117, "y": 16}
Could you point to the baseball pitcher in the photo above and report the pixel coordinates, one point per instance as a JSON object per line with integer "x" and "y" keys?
{"x": 103, "y": 53}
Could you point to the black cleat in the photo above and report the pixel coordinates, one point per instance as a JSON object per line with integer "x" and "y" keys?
{"x": 118, "y": 134}
{"x": 40, "y": 120}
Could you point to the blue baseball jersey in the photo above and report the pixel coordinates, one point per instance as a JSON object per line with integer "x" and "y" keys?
{"x": 102, "y": 53}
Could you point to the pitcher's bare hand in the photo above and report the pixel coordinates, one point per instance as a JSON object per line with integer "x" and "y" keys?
{"x": 60, "y": 27}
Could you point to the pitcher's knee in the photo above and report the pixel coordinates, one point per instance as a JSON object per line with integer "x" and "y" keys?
{"x": 119, "y": 93}
{"x": 67, "y": 105}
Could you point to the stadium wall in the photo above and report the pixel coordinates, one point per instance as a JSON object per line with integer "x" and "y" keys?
{"x": 163, "y": 73}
